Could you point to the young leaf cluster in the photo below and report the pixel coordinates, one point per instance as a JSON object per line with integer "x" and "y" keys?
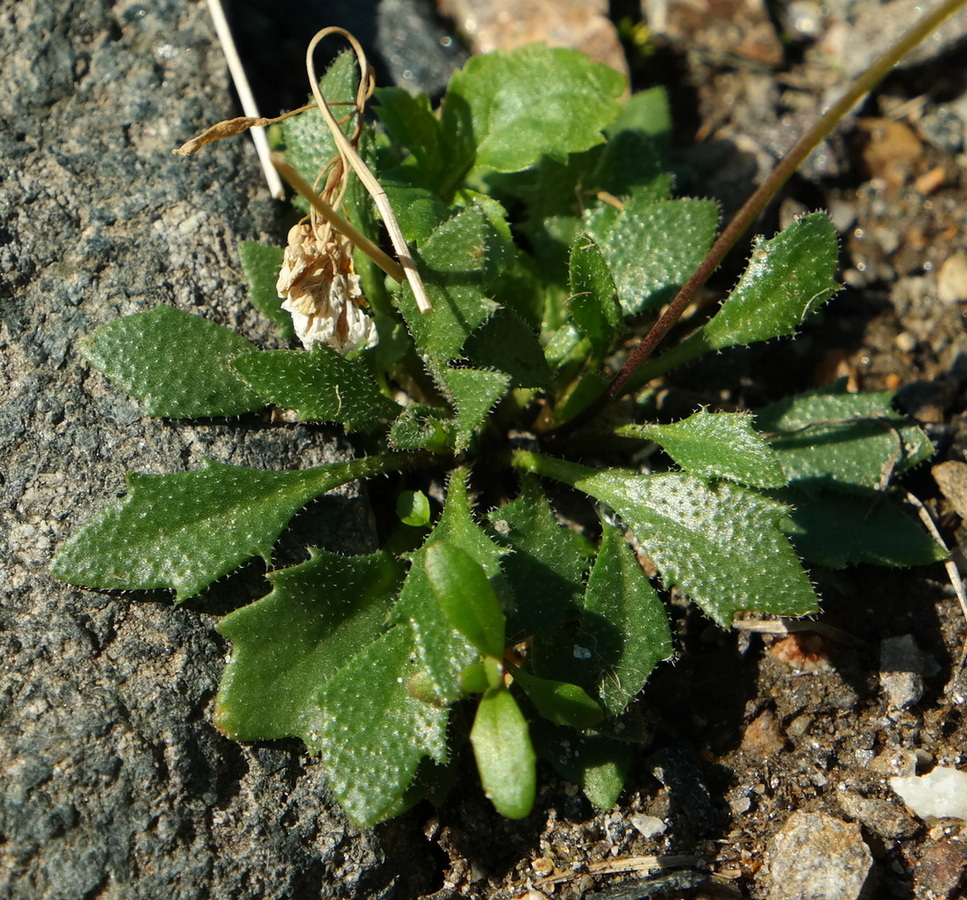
{"x": 540, "y": 214}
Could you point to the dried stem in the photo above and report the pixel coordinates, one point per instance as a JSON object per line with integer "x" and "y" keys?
{"x": 352, "y": 159}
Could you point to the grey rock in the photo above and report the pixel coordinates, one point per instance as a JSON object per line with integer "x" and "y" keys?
{"x": 901, "y": 671}
{"x": 817, "y": 857}
{"x": 115, "y": 783}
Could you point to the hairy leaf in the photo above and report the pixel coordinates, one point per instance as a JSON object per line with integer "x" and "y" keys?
{"x": 837, "y": 529}
{"x": 504, "y": 111}
{"x": 287, "y": 645}
{"x": 177, "y": 364}
{"x": 716, "y": 445}
{"x": 187, "y": 530}
{"x": 595, "y": 763}
{"x": 624, "y": 631}
{"x": 504, "y": 342}
{"x": 721, "y": 544}
{"x": 652, "y": 247}
{"x": 545, "y": 555}
{"x": 505, "y": 758}
{"x": 831, "y": 438}
{"x": 594, "y": 305}
{"x": 261, "y": 265}
{"x": 322, "y": 385}
{"x": 373, "y": 734}
{"x": 474, "y": 393}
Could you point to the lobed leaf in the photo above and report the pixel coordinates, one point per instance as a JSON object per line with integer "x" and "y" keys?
{"x": 373, "y": 734}
{"x": 287, "y": 645}
{"x": 187, "y": 530}
{"x": 716, "y": 445}
{"x": 722, "y": 544}
{"x": 474, "y": 393}
{"x": 831, "y": 438}
{"x": 504, "y": 754}
{"x": 322, "y": 385}
{"x": 176, "y": 364}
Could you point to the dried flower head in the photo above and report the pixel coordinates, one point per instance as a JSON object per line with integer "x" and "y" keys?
{"x": 321, "y": 290}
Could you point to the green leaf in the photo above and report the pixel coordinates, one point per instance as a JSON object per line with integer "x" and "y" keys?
{"x": 309, "y": 146}
{"x": 787, "y": 279}
{"x": 836, "y": 530}
{"x": 187, "y": 530}
{"x": 716, "y": 445}
{"x": 177, "y": 364}
{"x": 505, "y": 758}
{"x": 504, "y": 111}
{"x": 413, "y": 509}
{"x": 546, "y": 569}
{"x": 411, "y": 122}
{"x": 322, "y": 386}
{"x": 418, "y": 211}
{"x": 504, "y": 342}
{"x": 652, "y": 247}
{"x": 422, "y": 426}
{"x": 722, "y": 544}
{"x": 373, "y": 734}
{"x": 831, "y": 438}
{"x": 594, "y": 305}
{"x": 474, "y": 393}
{"x": 460, "y": 586}
{"x": 560, "y": 702}
{"x": 261, "y": 265}
{"x": 624, "y": 630}
{"x": 595, "y": 763}
{"x": 287, "y": 645}
{"x": 459, "y": 258}
{"x": 443, "y": 652}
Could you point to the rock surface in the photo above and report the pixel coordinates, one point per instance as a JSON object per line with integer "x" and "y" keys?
{"x": 115, "y": 783}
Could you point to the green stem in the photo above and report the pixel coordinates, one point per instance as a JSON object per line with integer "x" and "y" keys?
{"x": 757, "y": 202}
{"x": 550, "y": 467}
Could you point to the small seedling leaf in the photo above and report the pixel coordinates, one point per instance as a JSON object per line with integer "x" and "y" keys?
{"x": 444, "y": 653}
{"x": 158, "y": 356}
{"x": 717, "y": 445}
{"x": 463, "y": 592}
{"x": 560, "y": 702}
{"x": 505, "y": 758}
{"x": 287, "y": 645}
{"x": 373, "y": 734}
{"x": 187, "y": 530}
{"x": 322, "y": 385}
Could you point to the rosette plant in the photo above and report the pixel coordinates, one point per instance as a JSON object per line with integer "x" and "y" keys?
{"x": 534, "y": 234}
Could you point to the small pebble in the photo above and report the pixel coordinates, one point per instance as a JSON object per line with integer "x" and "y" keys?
{"x": 901, "y": 671}
{"x": 940, "y": 794}
{"x": 952, "y": 279}
{"x": 648, "y": 826}
{"x": 818, "y": 857}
